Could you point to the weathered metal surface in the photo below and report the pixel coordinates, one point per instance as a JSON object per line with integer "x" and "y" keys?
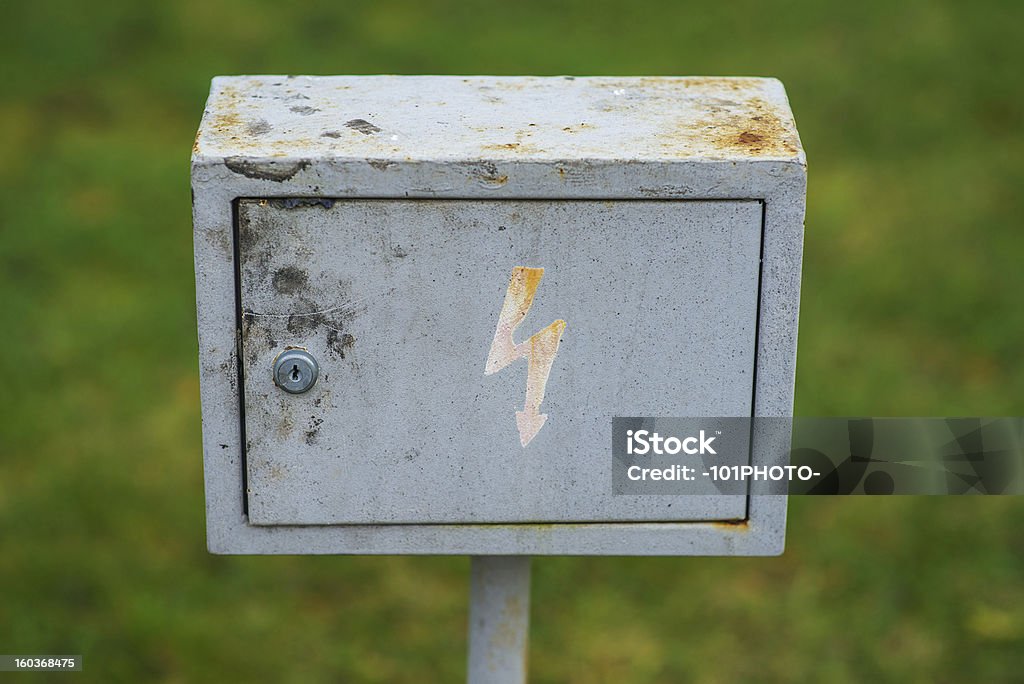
{"x": 251, "y": 145}
{"x": 499, "y": 619}
{"x": 391, "y": 119}
{"x": 400, "y": 300}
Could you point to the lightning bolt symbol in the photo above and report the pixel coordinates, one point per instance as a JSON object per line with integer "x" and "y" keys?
{"x": 539, "y": 350}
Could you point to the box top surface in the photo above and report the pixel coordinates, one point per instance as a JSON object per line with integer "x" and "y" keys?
{"x": 403, "y": 119}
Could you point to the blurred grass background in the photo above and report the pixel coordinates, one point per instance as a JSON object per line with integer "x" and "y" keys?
{"x": 911, "y": 116}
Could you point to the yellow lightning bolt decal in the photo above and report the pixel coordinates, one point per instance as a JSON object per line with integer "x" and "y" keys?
{"x": 539, "y": 350}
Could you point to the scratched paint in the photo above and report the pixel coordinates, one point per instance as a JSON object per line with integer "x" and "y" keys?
{"x": 539, "y": 350}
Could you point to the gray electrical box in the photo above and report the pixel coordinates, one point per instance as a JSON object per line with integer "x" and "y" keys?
{"x": 422, "y": 300}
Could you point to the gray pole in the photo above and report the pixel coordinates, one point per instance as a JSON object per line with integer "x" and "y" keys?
{"x": 499, "y": 619}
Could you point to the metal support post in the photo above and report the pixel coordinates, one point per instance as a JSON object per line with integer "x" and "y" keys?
{"x": 499, "y": 619}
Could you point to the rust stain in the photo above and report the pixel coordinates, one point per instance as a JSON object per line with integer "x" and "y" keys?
{"x": 757, "y": 129}
{"x": 732, "y": 525}
{"x": 517, "y": 147}
{"x": 520, "y": 143}
{"x": 229, "y": 121}
{"x": 487, "y": 174}
{"x": 752, "y": 127}
{"x": 734, "y": 84}
{"x": 748, "y": 138}
{"x": 227, "y": 118}
{"x": 502, "y": 84}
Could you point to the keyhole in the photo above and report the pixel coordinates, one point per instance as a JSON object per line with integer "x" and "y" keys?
{"x": 295, "y": 371}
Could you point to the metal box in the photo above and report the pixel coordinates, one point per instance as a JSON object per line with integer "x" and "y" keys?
{"x": 486, "y": 271}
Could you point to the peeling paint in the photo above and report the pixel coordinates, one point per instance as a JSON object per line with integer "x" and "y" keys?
{"x": 338, "y": 342}
{"x": 486, "y": 174}
{"x": 363, "y": 126}
{"x": 296, "y": 202}
{"x": 258, "y": 127}
{"x": 265, "y": 170}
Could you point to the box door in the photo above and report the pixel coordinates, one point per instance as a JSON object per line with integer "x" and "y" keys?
{"x": 435, "y": 325}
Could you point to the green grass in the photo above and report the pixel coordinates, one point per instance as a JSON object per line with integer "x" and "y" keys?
{"x": 911, "y": 116}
